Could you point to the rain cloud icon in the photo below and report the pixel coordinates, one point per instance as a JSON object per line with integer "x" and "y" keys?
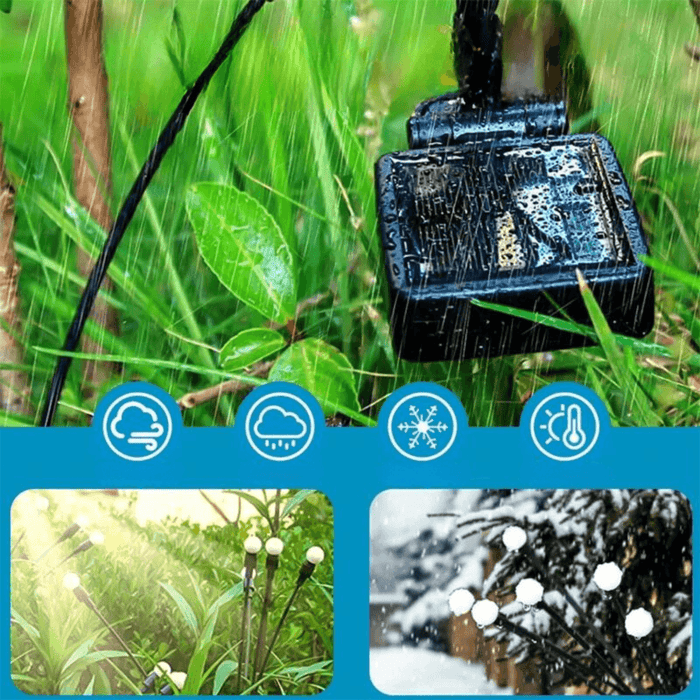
{"x": 148, "y": 437}
{"x": 279, "y": 428}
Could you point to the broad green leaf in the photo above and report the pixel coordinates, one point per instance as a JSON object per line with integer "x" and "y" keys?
{"x": 90, "y": 687}
{"x": 232, "y": 593}
{"x": 320, "y": 369}
{"x": 79, "y": 653}
{"x": 295, "y": 500}
{"x": 256, "y": 503}
{"x": 5, "y": 5}
{"x": 244, "y": 247}
{"x": 195, "y": 670}
{"x": 29, "y": 629}
{"x": 223, "y": 672}
{"x": 183, "y": 605}
{"x": 250, "y": 346}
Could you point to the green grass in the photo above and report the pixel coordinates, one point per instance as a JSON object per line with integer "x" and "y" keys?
{"x": 296, "y": 120}
{"x": 171, "y": 589}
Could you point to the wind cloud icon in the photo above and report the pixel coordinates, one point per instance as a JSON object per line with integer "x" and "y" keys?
{"x": 279, "y": 428}
{"x": 148, "y": 438}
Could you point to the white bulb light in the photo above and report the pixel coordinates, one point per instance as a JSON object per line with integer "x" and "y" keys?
{"x": 178, "y": 678}
{"x": 315, "y": 555}
{"x": 274, "y": 546}
{"x": 607, "y": 576}
{"x": 253, "y": 544}
{"x": 97, "y": 538}
{"x": 42, "y": 503}
{"x": 71, "y": 581}
{"x": 514, "y": 538}
{"x": 460, "y": 601}
{"x": 161, "y": 667}
{"x": 529, "y": 592}
{"x": 82, "y": 521}
{"x": 485, "y": 612}
{"x": 639, "y": 623}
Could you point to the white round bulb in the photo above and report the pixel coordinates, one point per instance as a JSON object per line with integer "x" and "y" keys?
{"x": 83, "y": 521}
{"x": 253, "y": 545}
{"x": 71, "y": 581}
{"x": 529, "y": 592}
{"x": 485, "y": 612}
{"x": 460, "y": 601}
{"x": 315, "y": 555}
{"x": 161, "y": 667}
{"x": 639, "y": 623}
{"x": 178, "y": 678}
{"x": 607, "y": 576}
{"x": 97, "y": 538}
{"x": 274, "y": 546}
{"x": 42, "y": 503}
{"x": 514, "y": 538}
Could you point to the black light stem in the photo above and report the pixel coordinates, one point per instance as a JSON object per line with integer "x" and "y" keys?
{"x": 582, "y": 616}
{"x": 276, "y": 633}
{"x": 552, "y": 649}
{"x": 82, "y": 595}
{"x": 477, "y": 40}
{"x": 126, "y": 213}
{"x": 620, "y": 684}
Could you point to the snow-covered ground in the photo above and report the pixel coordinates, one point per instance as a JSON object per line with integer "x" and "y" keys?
{"x": 412, "y": 671}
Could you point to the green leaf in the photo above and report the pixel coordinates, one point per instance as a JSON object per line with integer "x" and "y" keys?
{"x": 300, "y": 672}
{"x": 689, "y": 280}
{"x": 256, "y": 503}
{"x": 320, "y": 369}
{"x": 232, "y": 593}
{"x": 244, "y": 247}
{"x": 29, "y": 629}
{"x": 90, "y": 687}
{"x": 250, "y": 346}
{"x": 622, "y": 364}
{"x": 5, "y": 6}
{"x": 79, "y": 653}
{"x": 295, "y": 500}
{"x": 183, "y": 605}
{"x": 225, "y": 669}
{"x": 195, "y": 670}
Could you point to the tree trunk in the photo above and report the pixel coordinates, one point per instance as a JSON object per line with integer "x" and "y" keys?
{"x": 88, "y": 104}
{"x": 14, "y": 387}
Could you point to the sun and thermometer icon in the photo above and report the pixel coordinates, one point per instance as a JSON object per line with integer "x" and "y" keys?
{"x": 565, "y": 426}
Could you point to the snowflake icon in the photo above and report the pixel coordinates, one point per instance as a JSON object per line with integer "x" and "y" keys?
{"x": 422, "y": 426}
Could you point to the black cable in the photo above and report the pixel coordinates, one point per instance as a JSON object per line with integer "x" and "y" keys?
{"x": 477, "y": 40}
{"x": 126, "y": 213}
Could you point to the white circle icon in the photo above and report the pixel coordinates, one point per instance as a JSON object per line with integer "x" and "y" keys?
{"x": 565, "y": 426}
{"x": 280, "y": 426}
{"x": 137, "y": 426}
{"x": 422, "y": 426}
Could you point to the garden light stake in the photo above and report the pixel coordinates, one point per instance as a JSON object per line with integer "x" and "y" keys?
{"x": 314, "y": 556}
{"x": 126, "y": 213}
{"x": 273, "y": 547}
{"x": 81, "y": 522}
{"x": 252, "y": 546}
{"x": 72, "y": 583}
{"x": 158, "y": 670}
